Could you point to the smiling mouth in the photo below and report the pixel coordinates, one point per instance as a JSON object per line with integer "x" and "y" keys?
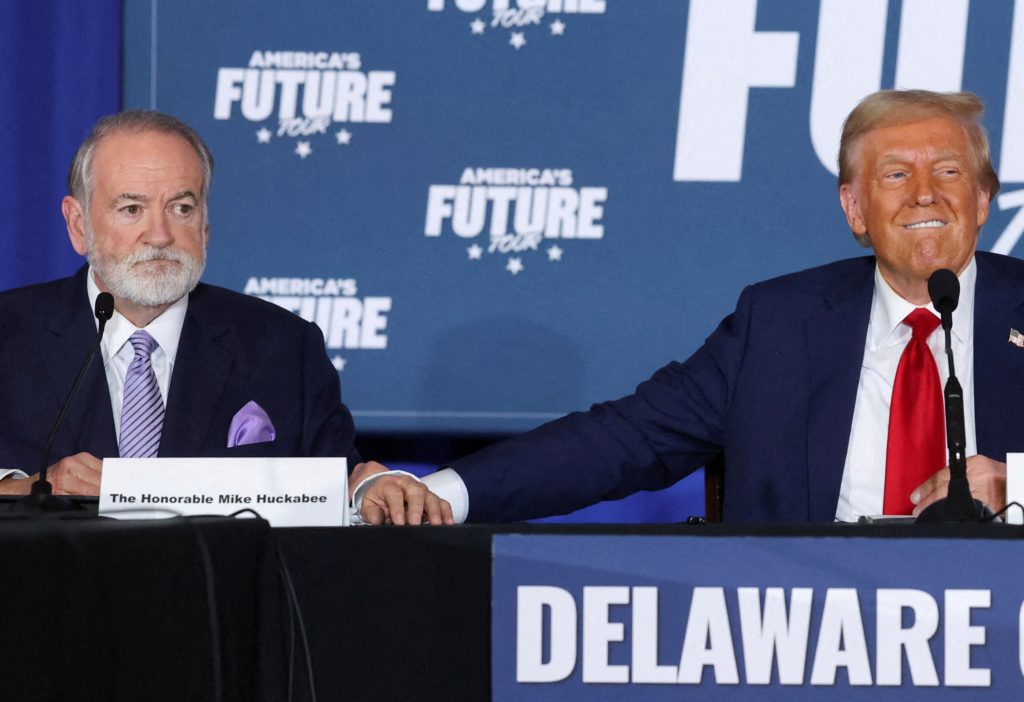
{"x": 930, "y": 224}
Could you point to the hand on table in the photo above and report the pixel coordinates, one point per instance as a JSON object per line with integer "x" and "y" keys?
{"x": 74, "y": 475}
{"x": 398, "y": 499}
{"x": 986, "y": 477}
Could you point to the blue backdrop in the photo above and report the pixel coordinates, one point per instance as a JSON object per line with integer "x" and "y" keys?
{"x": 62, "y": 71}
{"x": 500, "y": 211}
{"x": 503, "y": 211}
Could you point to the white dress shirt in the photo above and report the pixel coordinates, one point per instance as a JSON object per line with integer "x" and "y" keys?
{"x": 118, "y": 352}
{"x": 863, "y": 486}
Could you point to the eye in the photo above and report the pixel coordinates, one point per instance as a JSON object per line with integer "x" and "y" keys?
{"x": 893, "y": 178}
{"x": 131, "y": 209}
{"x": 182, "y": 208}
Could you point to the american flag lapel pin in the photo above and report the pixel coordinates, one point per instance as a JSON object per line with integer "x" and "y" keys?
{"x": 1016, "y": 338}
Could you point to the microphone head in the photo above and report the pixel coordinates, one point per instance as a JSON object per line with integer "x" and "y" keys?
{"x": 944, "y": 290}
{"x": 104, "y": 306}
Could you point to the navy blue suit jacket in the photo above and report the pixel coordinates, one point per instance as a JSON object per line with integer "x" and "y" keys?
{"x": 772, "y": 390}
{"x": 233, "y": 349}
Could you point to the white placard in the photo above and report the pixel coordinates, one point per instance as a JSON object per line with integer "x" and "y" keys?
{"x": 287, "y": 492}
{"x": 1015, "y": 487}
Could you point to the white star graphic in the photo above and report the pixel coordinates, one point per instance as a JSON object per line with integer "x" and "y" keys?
{"x": 518, "y": 40}
{"x": 555, "y": 253}
{"x": 339, "y": 363}
{"x": 343, "y": 136}
{"x": 477, "y": 26}
{"x": 263, "y": 136}
{"x": 557, "y": 28}
{"x": 474, "y": 252}
{"x": 303, "y": 149}
{"x": 515, "y": 265}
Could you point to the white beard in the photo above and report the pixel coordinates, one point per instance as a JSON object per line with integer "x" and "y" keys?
{"x": 149, "y": 286}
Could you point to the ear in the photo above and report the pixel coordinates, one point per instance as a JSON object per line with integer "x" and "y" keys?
{"x": 74, "y": 215}
{"x": 854, "y": 216}
{"x": 984, "y": 200}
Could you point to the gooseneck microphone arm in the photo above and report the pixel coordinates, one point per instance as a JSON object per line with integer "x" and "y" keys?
{"x": 944, "y": 291}
{"x": 104, "y": 310}
{"x": 958, "y": 505}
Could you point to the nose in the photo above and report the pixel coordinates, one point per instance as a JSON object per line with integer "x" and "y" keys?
{"x": 158, "y": 233}
{"x": 924, "y": 193}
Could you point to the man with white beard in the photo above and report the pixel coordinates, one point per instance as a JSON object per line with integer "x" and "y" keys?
{"x": 188, "y": 369}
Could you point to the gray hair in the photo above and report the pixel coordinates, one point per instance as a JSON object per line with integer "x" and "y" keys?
{"x": 134, "y": 122}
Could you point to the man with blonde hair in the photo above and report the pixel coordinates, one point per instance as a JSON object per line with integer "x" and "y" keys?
{"x": 822, "y": 391}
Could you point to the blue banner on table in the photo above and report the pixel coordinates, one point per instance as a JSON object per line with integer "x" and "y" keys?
{"x": 503, "y": 210}
{"x": 755, "y": 618}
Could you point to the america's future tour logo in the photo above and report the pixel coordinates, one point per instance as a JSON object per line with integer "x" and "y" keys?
{"x": 308, "y": 100}
{"x": 516, "y": 214}
{"x": 519, "y": 22}
{"x": 347, "y": 319}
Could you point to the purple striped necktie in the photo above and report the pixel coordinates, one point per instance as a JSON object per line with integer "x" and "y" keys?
{"x": 142, "y": 413}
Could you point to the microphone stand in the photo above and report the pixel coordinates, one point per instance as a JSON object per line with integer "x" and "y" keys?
{"x": 41, "y": 498}
{"x": 958, "y": 505}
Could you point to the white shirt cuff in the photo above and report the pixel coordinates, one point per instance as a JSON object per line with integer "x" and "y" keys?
{"x": 447, "y": 485}
{"x": 12, "y": 473}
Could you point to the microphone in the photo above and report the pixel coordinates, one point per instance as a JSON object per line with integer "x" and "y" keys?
{"x": 944, "y": 291}
{"x": 41, "y": 498}
{"x": 958, "y": 505}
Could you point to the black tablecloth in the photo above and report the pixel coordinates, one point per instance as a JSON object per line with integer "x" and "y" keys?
{"x": 145, "y": 610}
{"x": 404, "y": 613}
{"x": 119, "y": 611}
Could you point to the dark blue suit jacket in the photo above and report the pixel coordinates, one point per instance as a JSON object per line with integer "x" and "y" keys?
{"x": 233, "y": 349}
{"x": 772, "y": 389}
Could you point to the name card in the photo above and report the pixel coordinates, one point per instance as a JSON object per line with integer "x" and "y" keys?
{"x": 287, "y": 492}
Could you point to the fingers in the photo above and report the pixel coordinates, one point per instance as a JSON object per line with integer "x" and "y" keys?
{"x": 76, "y": 475}
{"x": 402, "y": 500}
{"x": 438, "y": 510}
{"x": 932, "y": 489}
{"x": 389, "y": 495}
{"x": 404, "y": 497}
{"x": 414, "y": 497}
{"x": 987, "y": 479}
{"x": 373, "y": 512}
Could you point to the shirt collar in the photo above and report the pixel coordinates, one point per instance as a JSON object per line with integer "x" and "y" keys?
{"x": 166, "y": 328}
{"x": 888, "y": 310}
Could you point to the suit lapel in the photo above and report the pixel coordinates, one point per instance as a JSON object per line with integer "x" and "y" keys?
{"x": 201, "y": 370}
{"x": 998, "y": 364}
{"x": 71, "y": 331}
{"x": 835, "y": 347}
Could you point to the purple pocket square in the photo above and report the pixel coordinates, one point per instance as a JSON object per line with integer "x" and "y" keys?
{"x": 250, "y": 425}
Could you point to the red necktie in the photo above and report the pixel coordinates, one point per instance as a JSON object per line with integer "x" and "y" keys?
{"x": 917, "y": 427}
